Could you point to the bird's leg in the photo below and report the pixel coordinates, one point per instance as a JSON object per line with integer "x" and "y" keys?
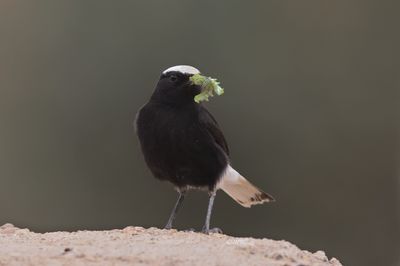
{"x": 206, "y": 227}
{"x": 177, "y": 206}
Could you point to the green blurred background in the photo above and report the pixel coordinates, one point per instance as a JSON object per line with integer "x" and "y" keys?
{"x": 310, "y": 111}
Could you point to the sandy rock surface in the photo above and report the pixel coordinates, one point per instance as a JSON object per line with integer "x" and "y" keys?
{"x": 140, "y": 246}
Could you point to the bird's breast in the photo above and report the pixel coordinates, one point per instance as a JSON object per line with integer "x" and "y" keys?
{"x": 177, "y": 148}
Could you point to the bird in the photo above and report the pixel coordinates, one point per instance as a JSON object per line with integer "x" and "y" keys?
{"x": 182, "y": 143}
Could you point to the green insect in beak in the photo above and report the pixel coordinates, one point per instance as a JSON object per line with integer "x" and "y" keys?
{"x": 210, "y": 86}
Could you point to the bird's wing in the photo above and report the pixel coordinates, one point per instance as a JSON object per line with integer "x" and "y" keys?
{"x": 211, "y": 125}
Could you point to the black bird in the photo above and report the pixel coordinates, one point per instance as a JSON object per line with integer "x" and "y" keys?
{"x": 182, "y": 143}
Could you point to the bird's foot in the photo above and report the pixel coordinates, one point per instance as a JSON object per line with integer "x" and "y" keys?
{"x": 214, "y": 230}
{"x": 168, "y": 227}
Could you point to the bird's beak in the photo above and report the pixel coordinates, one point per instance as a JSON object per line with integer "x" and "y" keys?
{"x": 195, "y": 89}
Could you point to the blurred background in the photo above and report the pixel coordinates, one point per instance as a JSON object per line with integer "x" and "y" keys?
{"x": 311, "y": 112}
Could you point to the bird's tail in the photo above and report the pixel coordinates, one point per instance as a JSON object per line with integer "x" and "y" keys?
{"x": 241, "y": 190}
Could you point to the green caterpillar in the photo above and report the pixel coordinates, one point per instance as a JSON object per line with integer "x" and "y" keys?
{"x": 209, "y": 87}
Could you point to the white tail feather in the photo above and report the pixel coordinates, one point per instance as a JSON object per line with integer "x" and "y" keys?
{"x": 241, "y": 190}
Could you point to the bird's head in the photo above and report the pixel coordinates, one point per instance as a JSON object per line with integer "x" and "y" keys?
{"x": 175, "y": 86}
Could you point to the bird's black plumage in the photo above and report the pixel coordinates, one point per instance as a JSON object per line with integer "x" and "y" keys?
{"x": 181, "y": 141}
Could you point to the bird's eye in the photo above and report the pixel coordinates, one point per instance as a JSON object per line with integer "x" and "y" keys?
{"x": 173, "y": 78}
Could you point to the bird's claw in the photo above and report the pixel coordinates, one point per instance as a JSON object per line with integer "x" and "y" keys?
{"x": 214, "y": 230}
{"x": 167, "y": 227}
